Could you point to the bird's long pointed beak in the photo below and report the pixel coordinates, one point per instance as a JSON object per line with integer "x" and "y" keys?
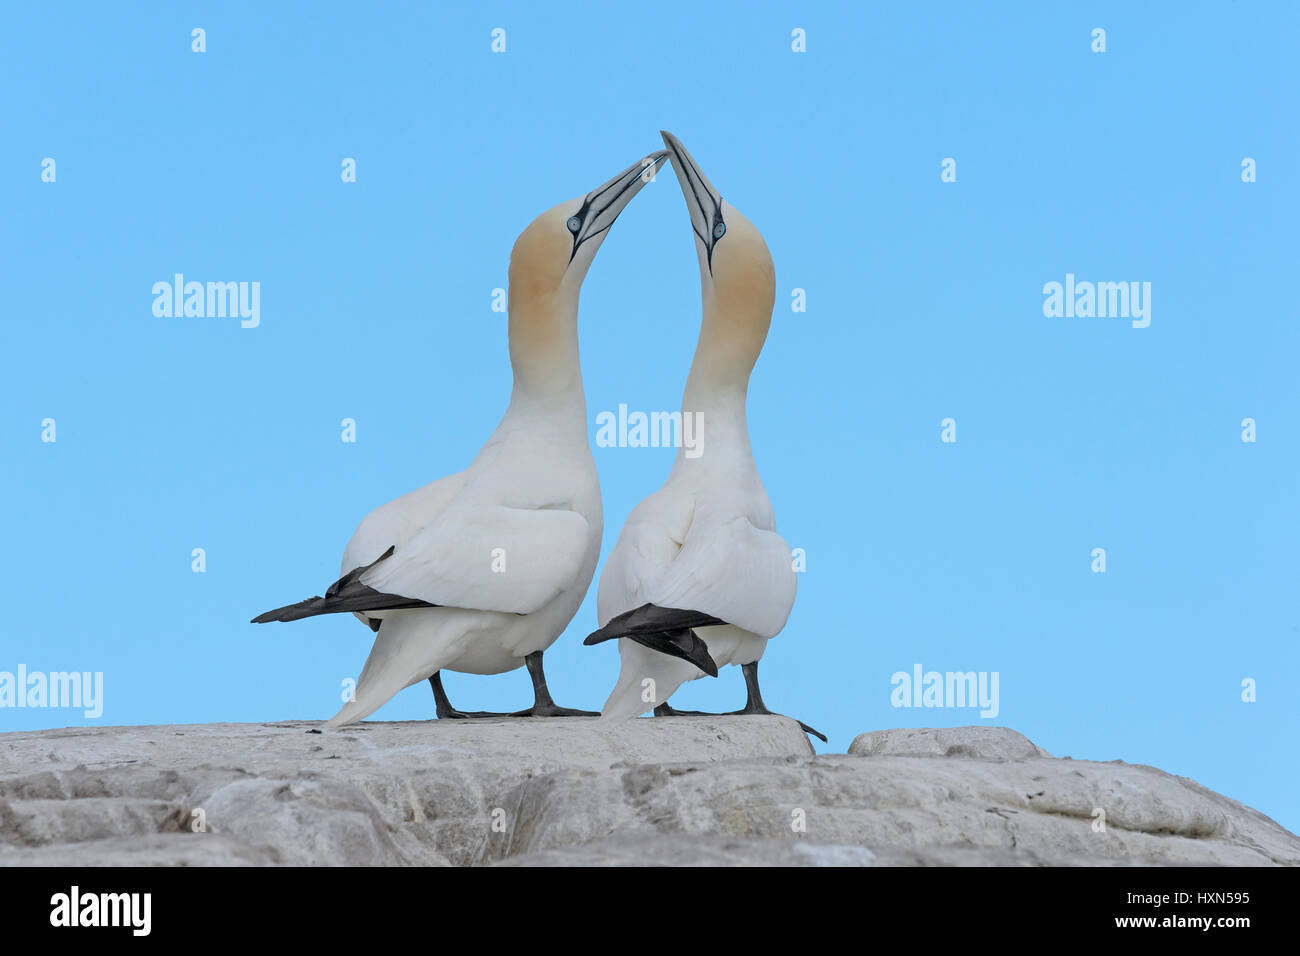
{"x": 604, "y": 203}
{"x": 703, "y": 202}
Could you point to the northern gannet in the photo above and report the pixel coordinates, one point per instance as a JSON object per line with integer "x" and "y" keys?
{"x": 481, "y": 571}
{"x": 699, "y": 577}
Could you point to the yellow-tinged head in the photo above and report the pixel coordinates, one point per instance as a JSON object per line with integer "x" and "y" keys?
{"x": 737, "y": 279}
{"x": 549, "y": 261}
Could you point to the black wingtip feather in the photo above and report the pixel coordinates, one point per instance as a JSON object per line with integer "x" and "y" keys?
{"x": 292, "y": 612}
{"x": 354, "y": 597}
{"x": 345, "y": 594}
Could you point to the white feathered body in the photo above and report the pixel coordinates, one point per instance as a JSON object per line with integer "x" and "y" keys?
{"x": 508, "y": 547}
{"x": 706, "y": 541}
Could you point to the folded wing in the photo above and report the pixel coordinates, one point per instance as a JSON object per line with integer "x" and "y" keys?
{"x": 490, "y": 558}
{"x": 733, "y": 571}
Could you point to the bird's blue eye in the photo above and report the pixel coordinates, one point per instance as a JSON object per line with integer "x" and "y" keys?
{"x": 719, "y": 230}
{"x": 574, "y": 224}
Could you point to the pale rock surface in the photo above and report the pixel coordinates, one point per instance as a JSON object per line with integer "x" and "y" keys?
{"x": 986, "y": 743}
{"x": 690, "y": 791}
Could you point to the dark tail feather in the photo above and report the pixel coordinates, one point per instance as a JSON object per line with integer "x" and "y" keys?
{"x": 650, "y": 618}
{"x": 357, "y": 597}
{"x": 666, "y": 630}
{"x": 684, "y": 643}
{"x": 344, "y": 595}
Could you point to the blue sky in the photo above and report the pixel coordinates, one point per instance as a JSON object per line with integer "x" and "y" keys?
{"x": 924, "y": 302}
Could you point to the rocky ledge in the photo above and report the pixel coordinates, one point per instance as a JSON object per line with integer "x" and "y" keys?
{"x": 663, "y": 791}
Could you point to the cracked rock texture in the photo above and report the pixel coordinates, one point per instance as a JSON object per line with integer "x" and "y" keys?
{"x": 685, "y": 791}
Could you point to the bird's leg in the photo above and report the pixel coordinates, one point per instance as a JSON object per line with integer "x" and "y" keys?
{"x": 753, "y": 696}
{"x": 754, "y": 700}
{"x": 543, "y": 705}
{"x": 443, "y": 707}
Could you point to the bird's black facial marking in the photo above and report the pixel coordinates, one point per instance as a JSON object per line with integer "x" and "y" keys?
{"x": 598, "y": 211}
{"x": 710, "y": 205}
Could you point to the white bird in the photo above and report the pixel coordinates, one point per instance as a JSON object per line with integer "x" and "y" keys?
{"x": 481, "y": 571}
{"x": 699, "y": 577}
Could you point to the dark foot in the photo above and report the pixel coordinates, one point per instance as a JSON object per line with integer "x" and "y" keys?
{"x": 666, "y": 710}
{"x": 761, "y": 709}
{"x": 754, "y": 702}
{"x": 554, "y": 710}
{"x": 443, "y": 708}
{"x": 808, "y": 730}
{"x": 802, "y": 726}
{"x": 453, "y": 714}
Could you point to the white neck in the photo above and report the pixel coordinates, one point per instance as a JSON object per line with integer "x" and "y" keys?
{"x": 547, "y": 393}
{"x": 716, "y": 392}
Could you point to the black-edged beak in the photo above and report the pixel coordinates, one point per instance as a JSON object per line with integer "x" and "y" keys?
{"x": 703, "y": 202}
{"x": 603, "y": 204}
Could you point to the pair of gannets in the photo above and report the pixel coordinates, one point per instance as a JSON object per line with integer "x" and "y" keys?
{"x": 484, "y": 569}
